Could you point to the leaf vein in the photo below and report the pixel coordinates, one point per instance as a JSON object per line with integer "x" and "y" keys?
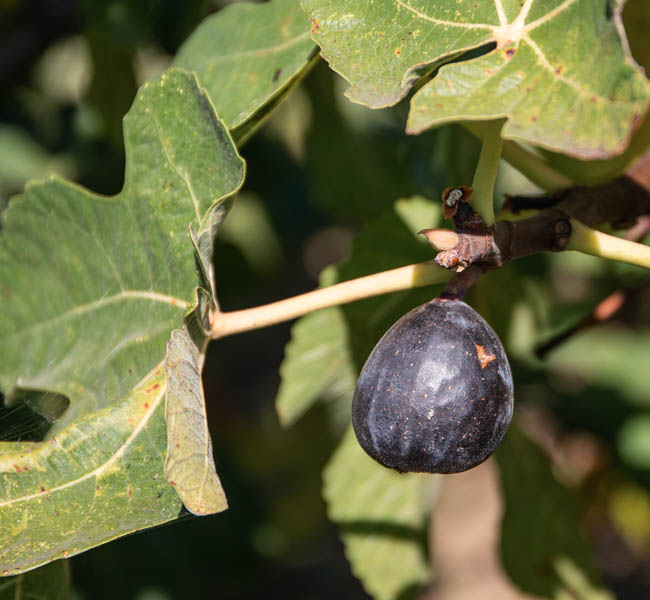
{"x": 97, "y": 471}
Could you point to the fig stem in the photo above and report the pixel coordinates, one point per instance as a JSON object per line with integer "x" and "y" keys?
{"x": 537, "y": 170}
{"x": 223, "y": 324}
{"x": 482, "y": 200}
{"x": 590, "y": 241}
{"x": 457, "y": 287}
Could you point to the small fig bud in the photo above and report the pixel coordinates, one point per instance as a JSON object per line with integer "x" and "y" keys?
{"x": 435, "y": 394}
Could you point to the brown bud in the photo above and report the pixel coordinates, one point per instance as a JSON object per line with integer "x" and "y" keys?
{"x": 441, "y": 239}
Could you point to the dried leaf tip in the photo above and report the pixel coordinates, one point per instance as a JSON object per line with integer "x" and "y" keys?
{"x": 441, "y": 239}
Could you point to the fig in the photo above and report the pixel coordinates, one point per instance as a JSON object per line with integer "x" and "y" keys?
{"x": 436, "y": 394}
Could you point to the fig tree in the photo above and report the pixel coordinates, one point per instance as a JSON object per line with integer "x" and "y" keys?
{"x": 435, "y": 394}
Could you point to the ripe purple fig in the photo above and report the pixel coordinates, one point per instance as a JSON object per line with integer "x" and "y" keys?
{"x": 435, "y": 394}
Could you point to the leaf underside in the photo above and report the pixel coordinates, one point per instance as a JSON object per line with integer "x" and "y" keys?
{"x": 558, "y": 68}
{"x": 189, "y": 464}
{"x": 382, "y": 518}
{"x": 381, "y": 514}
{"x": 317, "y": 362}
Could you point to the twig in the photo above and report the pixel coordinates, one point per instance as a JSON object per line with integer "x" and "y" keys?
{"x": 604, "y": 311}
{"x": 566, "y": 225}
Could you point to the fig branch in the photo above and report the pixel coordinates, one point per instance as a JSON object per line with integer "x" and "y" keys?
{"x": 567, "y": 223}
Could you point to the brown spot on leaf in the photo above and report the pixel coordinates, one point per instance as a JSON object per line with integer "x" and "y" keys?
{"x": 484, "y": 357}
{"x": 153, "y": 388}
{"x": 509, "y": 52}
{"x": 276, "y": 75}
{"x": 315, "y": 26}
{"x": 42, "y": 489}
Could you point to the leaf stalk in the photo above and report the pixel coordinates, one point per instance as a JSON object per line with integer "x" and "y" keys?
{"x": 403, "y": 278}
{"x": 482, "y": 200}
{"x": 590, "y": 241}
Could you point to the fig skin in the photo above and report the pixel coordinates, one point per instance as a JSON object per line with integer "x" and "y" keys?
{"x": 436, "y": 394}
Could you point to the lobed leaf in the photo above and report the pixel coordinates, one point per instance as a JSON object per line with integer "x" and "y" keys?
{"x": 92, "y": 286}
{"x": 382, "y": 518}
{"x": 558, "y": 67}
{"x": 247, "y": 55}
{"x": 99, "y": 478}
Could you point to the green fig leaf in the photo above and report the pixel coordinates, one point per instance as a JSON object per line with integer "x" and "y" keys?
{"x": 247, "y": 55}
{"x": 382, "y": 517}
{"x": 317, "y": 361}
{"x": 99, "y": 478}
{"x": 189, "y": 464}
{"x": 557, "y": 67}
{"x": 91, "y": 286}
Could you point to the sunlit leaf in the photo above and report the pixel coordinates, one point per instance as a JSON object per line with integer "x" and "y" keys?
{"x": 247, "y": 54}
{"x": 382, "y": 517}
{"x": 91, "y": 286}
{"x": 99, "y": 478}
{"x": 558, "y": 67}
